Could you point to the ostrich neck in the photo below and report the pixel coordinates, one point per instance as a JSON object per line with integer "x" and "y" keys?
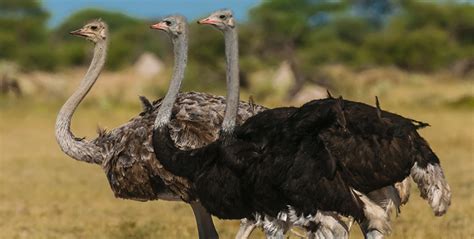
{"x": 180, "y": 46}
{"x": 76, "y": 148}
{"x": 232, "y": 80}
{"x": 163, "y": 146}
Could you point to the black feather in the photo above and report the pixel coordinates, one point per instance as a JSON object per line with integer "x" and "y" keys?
{"x": 379, "y": 110}
{"x": 146, "y": 105}
{"x": 329, "y": 96}
{"x": 308, "y": 157}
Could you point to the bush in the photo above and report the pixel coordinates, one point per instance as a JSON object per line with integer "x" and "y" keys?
{"x": 73, "y": 53}
{"x": 414, "y": 35}
{"x": 425, "y": 49}
{"x": 8, "y": 45}
{"x": 37, "y": 57}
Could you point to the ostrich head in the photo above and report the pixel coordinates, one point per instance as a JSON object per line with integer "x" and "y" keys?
{"x": 173, "y": 25}
{"x": 222, "y": 19}
{"x": 94, "y": 31}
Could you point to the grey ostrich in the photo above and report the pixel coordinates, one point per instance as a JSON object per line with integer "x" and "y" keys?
{"x": 125, "y": 153}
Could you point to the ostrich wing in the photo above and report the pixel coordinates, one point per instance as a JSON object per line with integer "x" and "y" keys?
{"x": 130, "y": 163}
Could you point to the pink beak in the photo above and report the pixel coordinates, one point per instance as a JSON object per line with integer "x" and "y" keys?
{"x": 159, "y": 26}
{"x": 78, "y": 33}
{"x": 207, "y": 21}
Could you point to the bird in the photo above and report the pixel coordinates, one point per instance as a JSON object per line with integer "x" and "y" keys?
{"x": 387, "y": 197}
{"x": 125, "y": 153}
{"x": 323, "y": 156}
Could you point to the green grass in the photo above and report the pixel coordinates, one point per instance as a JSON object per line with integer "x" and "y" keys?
{"x": 45, "y": 194}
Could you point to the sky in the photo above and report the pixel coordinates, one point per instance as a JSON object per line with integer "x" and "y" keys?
{"x": 192, "y": 9}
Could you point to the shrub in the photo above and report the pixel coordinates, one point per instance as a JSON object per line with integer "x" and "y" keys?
{"x": 37, "y": 57}
{"x": 424, "y": 49}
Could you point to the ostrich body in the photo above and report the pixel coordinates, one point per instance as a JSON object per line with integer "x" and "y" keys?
{"x": 324, "y": 156}
{"x": 126, "y": 154}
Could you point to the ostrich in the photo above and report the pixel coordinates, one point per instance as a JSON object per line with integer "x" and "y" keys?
{"x": 323, "y": 156}
{"x": 329, "y": 223}
{"x": 125, "y": 153}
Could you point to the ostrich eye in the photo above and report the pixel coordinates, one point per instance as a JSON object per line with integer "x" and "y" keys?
{"x": 222, "y": 16}
{"x": 94, "y": 28}
{"x": 168, "y": 23}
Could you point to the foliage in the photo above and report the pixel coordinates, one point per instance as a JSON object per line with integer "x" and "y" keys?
{"x": 206, "y": 56}
{"x": 34, "y": 57}
{"x": 413, "y": 35}
{"x": 23, "y": 34}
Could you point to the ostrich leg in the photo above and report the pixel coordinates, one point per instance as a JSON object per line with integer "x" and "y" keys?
{"x": 246, "y": 228}
{"x": 373, "y": 234}
{"x": 204, "y": 222}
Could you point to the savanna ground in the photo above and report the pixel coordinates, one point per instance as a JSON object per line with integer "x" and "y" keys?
{"x": 45, "y": 194}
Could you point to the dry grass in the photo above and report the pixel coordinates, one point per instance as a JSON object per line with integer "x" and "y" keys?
{"x": 45, "y": 194}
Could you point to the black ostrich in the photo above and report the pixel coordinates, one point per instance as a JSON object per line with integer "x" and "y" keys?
{"x": 325, "y": 155}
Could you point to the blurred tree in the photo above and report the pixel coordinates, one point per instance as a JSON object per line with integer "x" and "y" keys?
{"x": 27, "y": 19}
{"x": 284, "y": 26}
{"x": 377, "y": 12}
{"x": 413, "y": 35}
{"x": 424, "y": 49}
{"x": 23, "y": 34}
{"x": 206, "y": 65}
{"x": 454, "y": 18}
{"x": 423, "y": 36}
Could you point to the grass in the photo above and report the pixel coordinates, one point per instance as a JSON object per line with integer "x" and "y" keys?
{"x": 45, "y": 194}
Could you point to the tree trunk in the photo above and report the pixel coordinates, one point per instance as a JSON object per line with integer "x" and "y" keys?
{"x": 298, "y": 74}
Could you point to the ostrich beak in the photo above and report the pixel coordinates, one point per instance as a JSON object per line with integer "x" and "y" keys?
{"x": 207, "y": 21}
{"x": 78, "y": 32}
{"x": 159, "y": 26}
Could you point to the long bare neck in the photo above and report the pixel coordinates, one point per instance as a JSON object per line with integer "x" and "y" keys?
{"x": 180, "y": 46}
{"x": 74, "y": 147}
{"x": 232, "y": 80}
